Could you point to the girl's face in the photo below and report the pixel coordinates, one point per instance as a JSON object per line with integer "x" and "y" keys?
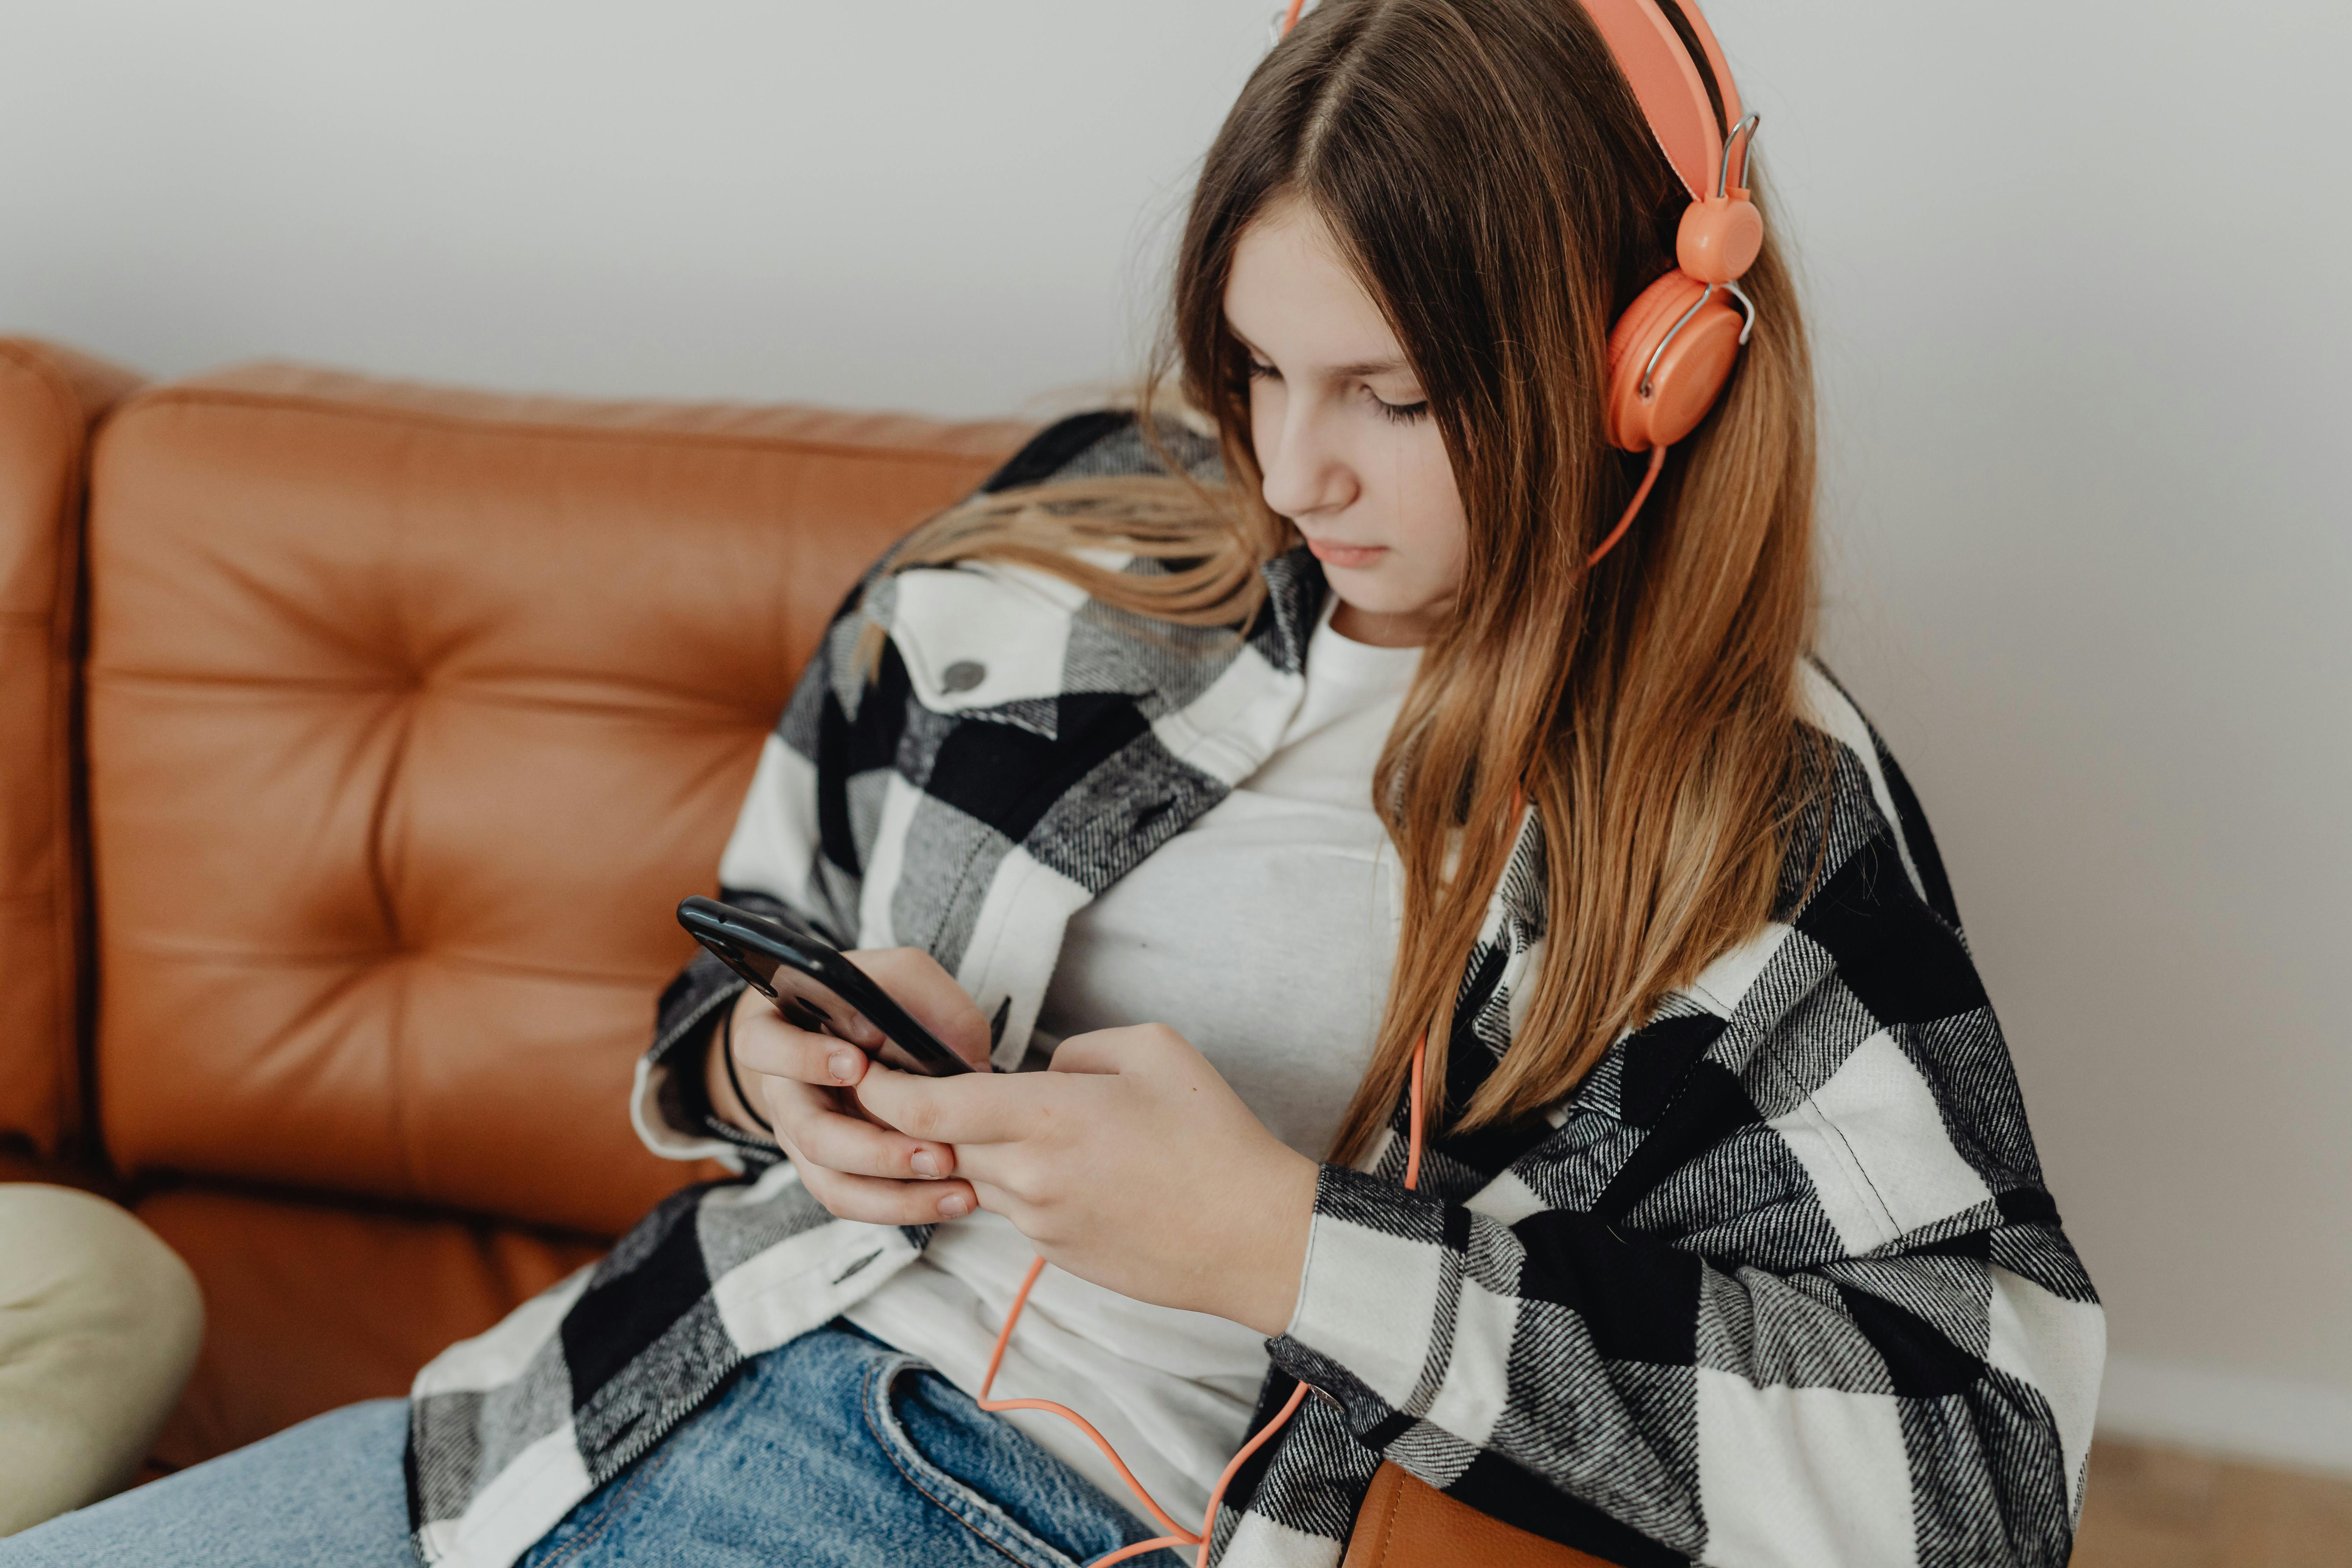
{"x": 1343, "y": 432}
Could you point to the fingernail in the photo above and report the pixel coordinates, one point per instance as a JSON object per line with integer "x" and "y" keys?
{"x": 844, "y": 1065}
{"x": 955, "y": 1206}
{"x": 926, "y": 1163}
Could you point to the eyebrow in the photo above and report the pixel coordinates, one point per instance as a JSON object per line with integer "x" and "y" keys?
{"x": 1362, "y": 369}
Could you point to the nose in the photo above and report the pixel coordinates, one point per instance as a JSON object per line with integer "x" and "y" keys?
{"x": 1306, "y": 474}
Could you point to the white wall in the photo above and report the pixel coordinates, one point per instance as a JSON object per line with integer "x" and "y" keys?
{"x": 2092, "y": 573}
{"x": 2088, "y": 505}
{"x": 929, "y": 204}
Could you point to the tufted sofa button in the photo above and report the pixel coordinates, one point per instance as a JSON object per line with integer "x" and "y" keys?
{"x": 412, "y": 715}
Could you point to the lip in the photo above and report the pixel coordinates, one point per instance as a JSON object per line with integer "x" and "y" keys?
{"x": 1331, "y": 553}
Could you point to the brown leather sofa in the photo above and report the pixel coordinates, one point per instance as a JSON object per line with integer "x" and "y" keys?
{"x": 50, "y": 400}
{"x": 356, "y": 741}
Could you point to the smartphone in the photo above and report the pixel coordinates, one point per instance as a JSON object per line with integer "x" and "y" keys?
{"x": 814, "y": 986}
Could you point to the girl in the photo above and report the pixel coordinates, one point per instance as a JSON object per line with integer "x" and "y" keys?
{"x": 1203, "y": 788}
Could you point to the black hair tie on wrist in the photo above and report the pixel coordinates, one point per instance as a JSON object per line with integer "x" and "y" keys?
{"x": 727, "y": 1048}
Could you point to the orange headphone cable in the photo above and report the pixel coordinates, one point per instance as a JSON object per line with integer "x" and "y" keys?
{"x": 1657, "y": 462}
{"x": 1177, "y": 1534}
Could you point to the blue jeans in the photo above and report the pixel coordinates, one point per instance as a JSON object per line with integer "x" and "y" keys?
{"x": 833, "y": 1451}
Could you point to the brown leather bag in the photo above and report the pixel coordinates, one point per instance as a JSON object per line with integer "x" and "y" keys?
{"x": 1405, "y": 1523}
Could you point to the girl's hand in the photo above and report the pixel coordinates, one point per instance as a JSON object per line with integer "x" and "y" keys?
{"x": 805, "y": 1084}
{"x": 1131, "y": 1164}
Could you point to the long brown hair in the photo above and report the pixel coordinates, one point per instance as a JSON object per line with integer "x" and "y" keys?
{"x": 1489, "y": 175}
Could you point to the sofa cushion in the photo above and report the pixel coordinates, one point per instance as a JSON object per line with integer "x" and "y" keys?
{"x": 309, "y": 1306}
{"x": 412, "y": 716}
{"x": 49, "y": 397}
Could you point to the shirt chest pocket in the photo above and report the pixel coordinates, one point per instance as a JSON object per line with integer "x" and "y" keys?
{"x": 982, "y": 638}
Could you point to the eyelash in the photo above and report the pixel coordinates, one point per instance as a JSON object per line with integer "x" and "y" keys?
{"x": 1394, "y": 413}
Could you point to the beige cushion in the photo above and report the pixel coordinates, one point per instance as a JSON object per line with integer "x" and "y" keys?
{"x": 99, "y": 1323}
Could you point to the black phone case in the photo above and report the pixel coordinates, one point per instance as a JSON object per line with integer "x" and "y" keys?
{"x": 725, "y": 931}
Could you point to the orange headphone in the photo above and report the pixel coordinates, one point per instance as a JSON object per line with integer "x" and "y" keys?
{"x": 1672, "y": 350}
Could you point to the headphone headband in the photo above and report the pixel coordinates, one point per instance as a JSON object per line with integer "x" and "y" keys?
{"x": 1672, "y": 93}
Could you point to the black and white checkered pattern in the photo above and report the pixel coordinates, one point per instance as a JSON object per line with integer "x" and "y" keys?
{"x": 1778, "y": 1284}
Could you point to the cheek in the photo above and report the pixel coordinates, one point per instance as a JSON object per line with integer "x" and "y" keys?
{"x": 1266, "y": 421}
{"x": 1432, "y": 507}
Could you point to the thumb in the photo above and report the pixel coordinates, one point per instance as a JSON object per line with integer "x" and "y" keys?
{"x": 930, "y": 993}
{"x": 1122, "y": 1050}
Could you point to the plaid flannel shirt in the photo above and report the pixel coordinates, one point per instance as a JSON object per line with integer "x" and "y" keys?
{"x": 1777, "y": 1283}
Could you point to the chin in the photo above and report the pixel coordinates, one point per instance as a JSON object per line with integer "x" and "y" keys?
{"x": 1363, "y": 590}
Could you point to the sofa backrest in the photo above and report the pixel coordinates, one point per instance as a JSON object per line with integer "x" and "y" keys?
{"x": 50, "y": 398}
{"x": 413, "y": 713}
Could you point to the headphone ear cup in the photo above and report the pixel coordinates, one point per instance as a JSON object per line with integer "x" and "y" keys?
{"x": 1690, "y": 374}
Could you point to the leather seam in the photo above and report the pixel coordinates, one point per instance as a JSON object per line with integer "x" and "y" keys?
{"x": 1387, "y": 1525}
{"x": 234, "y": 686}
{"x": 581, "y": 435}
{"x": 377, "y": 956}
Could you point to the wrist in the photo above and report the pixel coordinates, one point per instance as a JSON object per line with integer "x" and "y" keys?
{"x": 1278, "y": 1213}
{"x": 720, "y": 1081}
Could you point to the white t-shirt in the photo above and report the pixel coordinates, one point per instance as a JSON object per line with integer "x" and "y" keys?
{"x": 1264, "y": 933}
